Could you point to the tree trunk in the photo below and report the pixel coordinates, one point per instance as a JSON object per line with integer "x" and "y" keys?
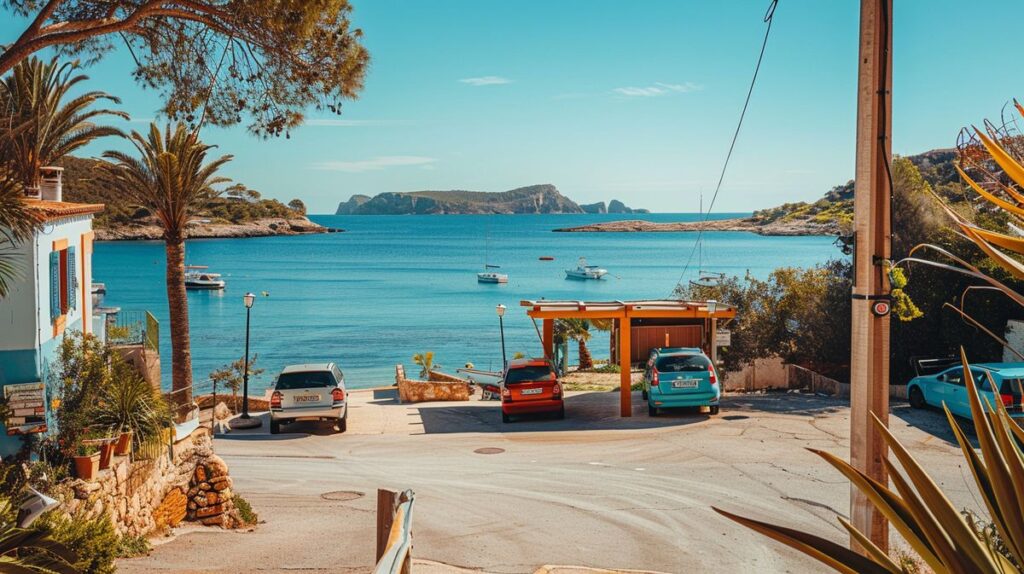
{"x": 177, "y": 304}
{"x": 586, "y": 361}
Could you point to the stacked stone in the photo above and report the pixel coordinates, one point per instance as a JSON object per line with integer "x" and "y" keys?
{"x": 209, "y": 494}
{"x": 143, "y": 497}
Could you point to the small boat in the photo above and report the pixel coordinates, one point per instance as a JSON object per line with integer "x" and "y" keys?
{"x": 584, "y": 271}
{"x": 97, "y": 292}
{"x": 708, "y": 279}
{"x": 546, "y": 258}
{"x": 491, "y": 276}
{"x": 196, "y": 277}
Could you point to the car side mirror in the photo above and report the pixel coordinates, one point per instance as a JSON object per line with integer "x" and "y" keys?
{"x": 942, "y": 378}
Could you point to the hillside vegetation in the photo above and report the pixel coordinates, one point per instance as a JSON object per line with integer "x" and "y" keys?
{"x": 236, "y": 206}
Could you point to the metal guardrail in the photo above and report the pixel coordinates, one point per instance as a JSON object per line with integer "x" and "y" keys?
{"x": 394, "y": 517}
{"x": 134, "y": 327}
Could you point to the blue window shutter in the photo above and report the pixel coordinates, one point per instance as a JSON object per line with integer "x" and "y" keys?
{"x": 72, "y": 283}
{"x": 54, "y": 284}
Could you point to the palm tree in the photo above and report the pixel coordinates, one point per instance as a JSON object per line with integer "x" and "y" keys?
{"x": 577, "y": 330}
{"x": 34, "y": 95}
{"x": 172, "y": 179}
{"x": 17, "y": 223}
{"x": 426, "y": 362}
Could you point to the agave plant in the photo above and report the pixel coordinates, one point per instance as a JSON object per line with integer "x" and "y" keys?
{"x": 128, "y": 402}
{"x": 944, "y": 538}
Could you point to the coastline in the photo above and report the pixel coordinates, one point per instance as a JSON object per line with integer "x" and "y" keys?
{"x": 775, "y": 228}
{"x": 271, "y": 226}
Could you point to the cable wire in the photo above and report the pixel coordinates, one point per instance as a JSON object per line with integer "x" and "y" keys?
{"x": 768, "y": 18}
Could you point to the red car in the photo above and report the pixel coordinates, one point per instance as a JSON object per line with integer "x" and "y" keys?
{"x": 530, "y": 386}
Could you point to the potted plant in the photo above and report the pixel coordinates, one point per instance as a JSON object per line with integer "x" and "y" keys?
{"x": 106, "y": 451}
{"x": 87, "y": 462}
{"x": 123, "y": 447}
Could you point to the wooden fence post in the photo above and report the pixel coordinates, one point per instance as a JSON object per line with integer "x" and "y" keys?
{"x": 385, "y": 516}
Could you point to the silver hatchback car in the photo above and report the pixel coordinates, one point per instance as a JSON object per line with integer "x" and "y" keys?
{"x": 309, "y": 392}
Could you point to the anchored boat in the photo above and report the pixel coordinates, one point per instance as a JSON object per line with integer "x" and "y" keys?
{"x": 489, "y": 276}
{"x": 584, "y": 271}
{"x": 196, "y": 277}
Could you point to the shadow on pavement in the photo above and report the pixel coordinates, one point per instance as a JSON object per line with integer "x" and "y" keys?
{"x": 296, "y": 430}
{"x": 586, "y": 411}
{"x": 933, "y": 421}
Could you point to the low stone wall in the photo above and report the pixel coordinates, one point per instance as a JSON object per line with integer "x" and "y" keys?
{"x": 412, "y": 391}
{"x": 145, "y": 496}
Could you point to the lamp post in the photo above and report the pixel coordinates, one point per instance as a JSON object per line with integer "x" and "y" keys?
{"x": 501, "y": 325}
{"x": 249, "y": 299}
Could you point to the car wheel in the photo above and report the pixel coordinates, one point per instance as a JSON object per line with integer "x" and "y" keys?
{"x": 505, "y": 418}
{"x": 916, "y": 397}
{"x": 643, "y": 394}
{"x": 713, "y": 410}
{"x": 275, "y": 427}
{"x": 342, "y": 424}
{"x": 652, "y": 410}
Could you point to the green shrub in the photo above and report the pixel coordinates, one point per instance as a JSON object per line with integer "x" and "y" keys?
{"x": 94, "y": 541}
{"x": 132, "y": 546}
{"x": 608, "y": 368}
{"x": 245, "y": 510}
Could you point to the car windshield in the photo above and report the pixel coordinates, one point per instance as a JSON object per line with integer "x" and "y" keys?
{"x": 682, "y": 363}
{"x": 527, "y": 374}
{"x": 304, "y": 380}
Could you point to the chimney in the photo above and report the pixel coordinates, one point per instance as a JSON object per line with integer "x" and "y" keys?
{"x": 50, "y": 188}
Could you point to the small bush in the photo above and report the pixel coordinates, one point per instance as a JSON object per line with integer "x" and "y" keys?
{"x": 132, "y": 546}
{"x": 94, "y": 541}
{"x": 245, "y": 510}
{"x": 608, "y": 368}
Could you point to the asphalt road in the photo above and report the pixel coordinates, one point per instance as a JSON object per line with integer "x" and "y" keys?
{"x": 592, "y": 490}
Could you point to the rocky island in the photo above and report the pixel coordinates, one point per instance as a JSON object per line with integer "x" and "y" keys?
{"x": 533, "y": 199}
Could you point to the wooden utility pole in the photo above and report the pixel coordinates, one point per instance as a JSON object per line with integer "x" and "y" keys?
{"x": 869, "y": 352}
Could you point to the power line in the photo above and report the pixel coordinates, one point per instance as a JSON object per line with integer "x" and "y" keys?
{"x": 768, "y": 18}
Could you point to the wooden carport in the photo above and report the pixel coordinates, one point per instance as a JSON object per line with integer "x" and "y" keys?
{"x": 623, "y": 313}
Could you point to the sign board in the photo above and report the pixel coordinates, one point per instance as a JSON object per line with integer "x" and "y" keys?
{"x": 27, "y": 405}
{"x": 723, "y": 338}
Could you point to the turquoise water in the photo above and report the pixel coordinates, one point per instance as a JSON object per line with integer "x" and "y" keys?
{"x": 392, "y": 286}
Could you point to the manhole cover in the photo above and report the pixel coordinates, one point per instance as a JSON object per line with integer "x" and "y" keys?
{"x": 341, "y": 495}
{"x": 735, "y": 417}
{"x": 489, "y": 450}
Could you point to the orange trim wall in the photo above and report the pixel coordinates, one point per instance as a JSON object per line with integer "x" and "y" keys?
{"x": 86, "y": 284}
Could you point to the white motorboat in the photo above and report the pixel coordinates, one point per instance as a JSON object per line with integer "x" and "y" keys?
{"x": 584, "y": 271}
{"x": 197, "y": 277}
{"x": 491, "y": 276}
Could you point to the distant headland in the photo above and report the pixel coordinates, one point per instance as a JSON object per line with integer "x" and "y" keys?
{"x": 533, "y": 199}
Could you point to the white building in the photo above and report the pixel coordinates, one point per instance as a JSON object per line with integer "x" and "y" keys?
{"x": 51, "y": 297}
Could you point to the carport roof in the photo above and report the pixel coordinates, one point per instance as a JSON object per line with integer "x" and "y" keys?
{"x": 667, "y": 308}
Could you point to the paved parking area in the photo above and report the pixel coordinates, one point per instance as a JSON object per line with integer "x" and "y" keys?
{"x": 593, "y": 490}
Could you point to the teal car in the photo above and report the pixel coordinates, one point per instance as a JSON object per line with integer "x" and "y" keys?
{"x": 947, "y": 387}
{"x": 680, "y": 377}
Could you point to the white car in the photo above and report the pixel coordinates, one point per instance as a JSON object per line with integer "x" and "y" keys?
{"x": 309, "y": 392}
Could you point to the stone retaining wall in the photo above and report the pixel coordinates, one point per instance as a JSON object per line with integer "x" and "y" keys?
{"x": 412, "y": 391}
{"x": 146, "y": 496}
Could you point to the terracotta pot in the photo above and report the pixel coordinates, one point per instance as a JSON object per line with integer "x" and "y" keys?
{"x": 106, "y": 454}
{"x": 124, "y": 444}
{"x": 87, "y": 467}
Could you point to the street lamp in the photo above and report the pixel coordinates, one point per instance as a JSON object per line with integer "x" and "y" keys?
{"x": 501, "y": 325}
{"x": 248, "y": 299}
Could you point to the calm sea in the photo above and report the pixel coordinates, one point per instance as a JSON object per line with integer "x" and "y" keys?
{"x": 393, "y": 286}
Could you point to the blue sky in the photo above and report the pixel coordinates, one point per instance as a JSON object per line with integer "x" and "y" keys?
{"x": 608, "y": 99}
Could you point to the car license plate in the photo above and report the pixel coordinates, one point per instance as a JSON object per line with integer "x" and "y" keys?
{"x": 532, "y": 391}
{"x": 686, "y": 384}
{"x": 307, "y": 398}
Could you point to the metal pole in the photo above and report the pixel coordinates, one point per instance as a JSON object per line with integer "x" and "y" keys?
{"x": 501, "y": 324}
{"x": 869, "y": 349}
{"x": 245, "y": 373}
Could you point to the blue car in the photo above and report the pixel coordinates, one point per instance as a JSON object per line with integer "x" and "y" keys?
{"x": 947, "y": 387}
{"x": 680, "y": 377}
